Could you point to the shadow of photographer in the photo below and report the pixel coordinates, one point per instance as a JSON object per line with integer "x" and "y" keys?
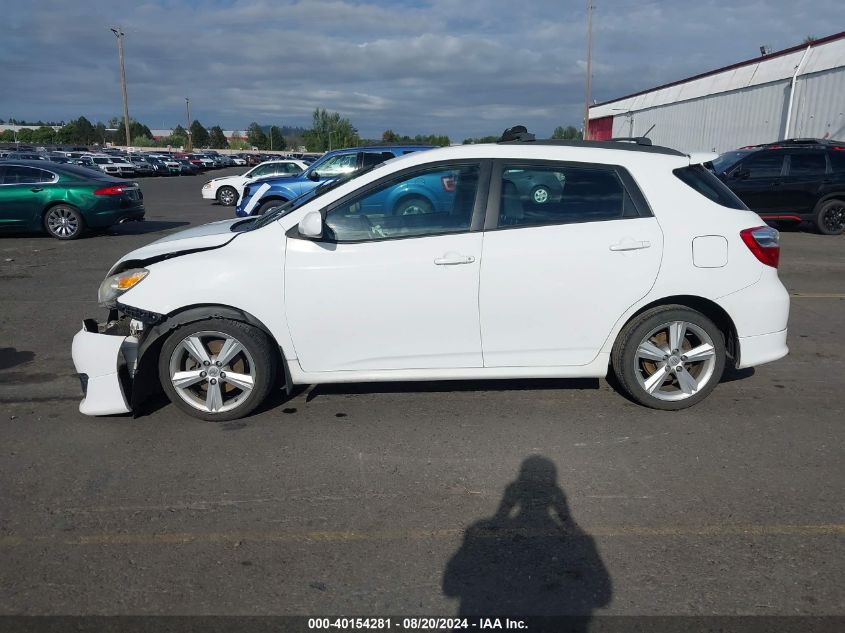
{"x": 531, "y": 558}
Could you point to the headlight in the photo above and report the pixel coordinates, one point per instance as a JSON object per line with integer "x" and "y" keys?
{"x": 207, "y": 185}
{"x": 114, "y": 286}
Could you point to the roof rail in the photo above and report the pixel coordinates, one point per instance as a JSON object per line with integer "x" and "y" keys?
{"x": 639, "y": 140}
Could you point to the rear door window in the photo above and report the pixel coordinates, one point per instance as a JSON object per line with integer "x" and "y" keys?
{"x": 19, "y": 175}
{"x": 539, "y": 195}
{"x": 812, "y": 164}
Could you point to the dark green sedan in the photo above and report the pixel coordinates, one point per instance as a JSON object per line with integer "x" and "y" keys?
{"x": 63, "y": 200}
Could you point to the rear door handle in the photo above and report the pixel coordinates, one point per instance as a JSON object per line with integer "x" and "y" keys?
{"x": 37, "y": 189}
{"x": 630, "y": 245}
{"x": 453, "y": 259}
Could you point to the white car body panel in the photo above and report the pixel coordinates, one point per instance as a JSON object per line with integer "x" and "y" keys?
{"x": 534, "y": 302}
{"x": 98, "y": 356}
{"x": 363, "y": 290}
{"x": 210, "y": 189}
{"x": 210, "y": 235}
{"x": 578, "y": 288}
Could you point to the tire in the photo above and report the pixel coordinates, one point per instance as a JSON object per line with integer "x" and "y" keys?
{"x": 64, "y": 222}
{"x": 830, "y": 217}
{"x": 264, "y": 208}
{"x": 642, "y": 351}
{"x": 208, "y": 391}
{"x": 413, "y": 206}
{"x": 540, "y": 194}
{"x": 227, "y": 196}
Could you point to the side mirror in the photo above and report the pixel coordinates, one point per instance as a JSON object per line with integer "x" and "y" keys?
{"x": 313, "y": 175}
{"x": 311, "y": 225}
{"x": 740, "y": 174}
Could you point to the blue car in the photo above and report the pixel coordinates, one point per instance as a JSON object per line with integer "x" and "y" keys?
{"x": 265, "y": 193}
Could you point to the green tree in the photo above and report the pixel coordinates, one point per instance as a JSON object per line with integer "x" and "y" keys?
{"x": 43, "y": 135}
{"x": 483, "y": 139}
{"x": 216, "y": 138}
{"x": 276, "y": 140}
{"x": 256, "y": 137}
{"x": 568, "y": 133}
{"x": 199, "y": 135}
{"x": 389, "y": 136}
{"x": 25, "y": 135}
{"x": 7, "y": 136}
{"x": 329, "y": 131}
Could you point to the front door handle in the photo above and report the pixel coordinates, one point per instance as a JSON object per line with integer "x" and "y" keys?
{"x": 37, "y": 189}
{"x": 630, "y": 245}
{"x": 454, "y": 259}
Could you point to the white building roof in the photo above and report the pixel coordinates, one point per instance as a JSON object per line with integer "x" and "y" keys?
{"x": 823, "y": 54}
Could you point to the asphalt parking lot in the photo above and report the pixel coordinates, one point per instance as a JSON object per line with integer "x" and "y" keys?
{"x": 382, "y": 499}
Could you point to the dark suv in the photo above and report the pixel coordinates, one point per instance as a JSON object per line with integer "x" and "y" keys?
{"x": 791, "y": 180}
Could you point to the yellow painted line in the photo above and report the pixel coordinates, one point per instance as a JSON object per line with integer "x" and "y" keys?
{"x": 348, "y": 536}
{"x": 816, "y": 295}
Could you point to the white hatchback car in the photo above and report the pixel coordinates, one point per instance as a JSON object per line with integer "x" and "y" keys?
{"x": 228, "y": 189}
{"x": 636, "y": 260}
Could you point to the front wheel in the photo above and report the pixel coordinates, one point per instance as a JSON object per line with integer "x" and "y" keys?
{"x": 413, "y": 206}
{"x": 830, "y": 217}
{"x": 217, "y": 369}
{"x": 64, "y": 222}
{"x": 270, "y": 204}
{"x": 669, "y": 357}
{"x": 227, "y": 196}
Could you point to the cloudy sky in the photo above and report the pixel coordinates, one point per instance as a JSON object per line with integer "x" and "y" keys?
{"x": 456, "y": 67}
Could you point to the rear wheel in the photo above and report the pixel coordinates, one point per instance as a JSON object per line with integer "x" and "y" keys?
{"x": 830, "y": 217}
{"x": 540, "y": 194}
{"x": 64, "y": 222}
{"x": 669, "y": 358}
{"x": 227, "y": 196}
{"x": 217, "y": 369}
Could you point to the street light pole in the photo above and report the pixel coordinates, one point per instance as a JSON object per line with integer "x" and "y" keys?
{"x": 588, "y": 81}
{"x": 188, "y": 123}
{"x": 118, "y": 33}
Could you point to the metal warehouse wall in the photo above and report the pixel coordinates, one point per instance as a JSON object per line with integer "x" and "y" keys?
{"x": 714, "y": 123}
{"x": 819, "y": 108}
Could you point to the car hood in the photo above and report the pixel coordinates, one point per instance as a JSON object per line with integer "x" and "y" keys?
{"x": 228, "y": 179}
{"x": 197, "y": 238}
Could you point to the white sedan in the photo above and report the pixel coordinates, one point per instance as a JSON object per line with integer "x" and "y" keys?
{"x": 642, "y": 264}
{"x": 228, "y": 189}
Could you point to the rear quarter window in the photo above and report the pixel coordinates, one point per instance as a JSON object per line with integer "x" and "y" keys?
{"x": 837, "y": 160}
{"x": 704, "y": 182}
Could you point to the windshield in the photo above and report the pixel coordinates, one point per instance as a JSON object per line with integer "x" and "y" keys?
{"x": 727, "y": 160}
{"x": 308, "y": 196}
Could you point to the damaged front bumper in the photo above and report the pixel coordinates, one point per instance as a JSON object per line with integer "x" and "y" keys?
{"x": 106, "y": 359}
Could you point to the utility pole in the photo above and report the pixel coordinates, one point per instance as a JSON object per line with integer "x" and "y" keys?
{"x": 588, "y": 81}
{"x": 188, "y": 125}
{"x": 118, "y": 33}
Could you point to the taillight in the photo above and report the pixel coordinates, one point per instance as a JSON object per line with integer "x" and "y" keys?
{"x": 449, "y": 183}
{"x": 764, "y": 242}
{"x": 114, "y": 190}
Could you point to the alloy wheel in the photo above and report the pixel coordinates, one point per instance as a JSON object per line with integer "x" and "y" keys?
{"x": 212, "y": 371}
{"x": 62, "y": 222}
{"x": 834, "y": 218}
{"x": 675, "y": 361}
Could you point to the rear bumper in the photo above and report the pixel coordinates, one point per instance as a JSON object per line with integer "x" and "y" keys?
{"x": 105, "y": 363}
{"x": 756, "y": 350}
